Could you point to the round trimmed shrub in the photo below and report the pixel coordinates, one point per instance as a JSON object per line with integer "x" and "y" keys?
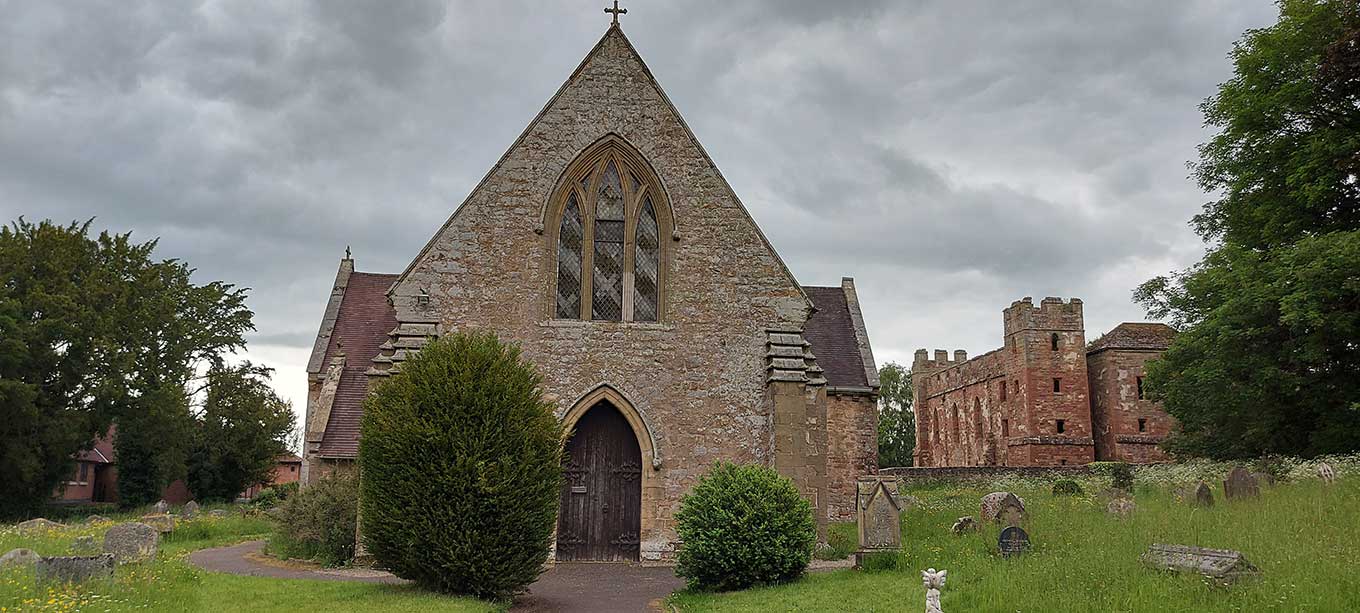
{"x": 1066, "y": 487}
{"x": 742, "y": 526}
{"x": 461, "y": 469}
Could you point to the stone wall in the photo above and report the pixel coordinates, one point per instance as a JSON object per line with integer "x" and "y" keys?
{"x": 698, "y": 375}
{"x": 915, "y": 475}
{"x": 852, "y": 449}
{"x": 1117, "y": 410}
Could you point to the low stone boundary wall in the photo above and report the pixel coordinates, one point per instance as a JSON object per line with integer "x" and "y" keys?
{"x": 923, "y": 474}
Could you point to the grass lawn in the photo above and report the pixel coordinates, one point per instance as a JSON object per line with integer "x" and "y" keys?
{"x": 171, "y": 584}
{"x": 1303, "y": 535}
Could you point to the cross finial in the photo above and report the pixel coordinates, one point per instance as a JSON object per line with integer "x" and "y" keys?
{"x": 616, "y": 11}
{"x": 347, "y": 257}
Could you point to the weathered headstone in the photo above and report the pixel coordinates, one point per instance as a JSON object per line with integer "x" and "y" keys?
{"x": 190, "y": 510}
{"x": 1012, "y": 512}
{"x": 933, "y": 580}
{"x": 1327, "y": 473}
{"x": 98, "y": 519}
{"x": 1204, "y": 495}
{"x": 965, "y": 525}
{"x": 75, "y": 569}
{"x": 1264, "y": 478}
{"x": 878, "y": 515}
{"x": 162, "y": 523}
{"x": 218, "y": 513}
{"x": 1013, "y": 541}
{"x": 162, "y": 506}
{"x": 1240, "y": 484}
{"x": 1224, "y": 565}
{"x": 84, "y": 545}
{"x": 37, "y": 526}
{"x": 991, "y": 505}
{"x": 1121, "y": 507}
{"x": 1182, "y": 493}
{"x": 19, "y": 557}
{"x": 132, "y": 542}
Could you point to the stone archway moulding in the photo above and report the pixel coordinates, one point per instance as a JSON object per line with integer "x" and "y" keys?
{"x": 636, "y": 420}
{"x": 611, "y": 142}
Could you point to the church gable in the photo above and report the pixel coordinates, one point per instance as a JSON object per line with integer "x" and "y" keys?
{"x": 506, "y": 231}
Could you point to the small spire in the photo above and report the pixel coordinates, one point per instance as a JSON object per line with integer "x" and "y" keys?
{"x": 616, "y": 11}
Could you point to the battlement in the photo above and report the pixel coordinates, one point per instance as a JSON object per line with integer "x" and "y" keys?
{"x": 922, "y": 363}
{"x": 1051, "y": 314}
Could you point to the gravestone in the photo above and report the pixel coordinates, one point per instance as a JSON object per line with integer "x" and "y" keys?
{"x": 1183, "y": 493}
{"x": 1224, "y": 565}
{"x": 1327, "y": 473}
{"x": 1265, "y": 478}
{"x": 991, "y": 505}
{"x": 1012, "y": 511}
{"x": 1013, "y": 541}
{"x": 162, "y": 523}
{"x": 37, "y": 526}
{"x": 1121, "y": 507}
{"x": 84, "y": 546}
{"x": 74, "y": 569}
{"x": 964, "y": 525}
{"x": 1240, "y": 484}
{"x": 190, "y": 510}
{"x": 19, "y": 557}
{"x": 97, "y": 519}
{"x": 218, "y": 513}
{"x": 162, "y": 506}
{"x": 1204, "y": 495}
{"x": 132, "y": 542}
{"x": 878, "y": 515}
{"x": 933, "y": 581}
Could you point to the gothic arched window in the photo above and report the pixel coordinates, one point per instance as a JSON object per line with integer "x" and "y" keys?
{"x": 610, "y": 256}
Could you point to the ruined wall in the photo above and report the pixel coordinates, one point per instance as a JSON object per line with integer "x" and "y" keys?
{"x": 1116, "y": 408}
{"x": 852, "y": 449}
{"x": 966, "y": 418}
{"x": 697, "y": 376}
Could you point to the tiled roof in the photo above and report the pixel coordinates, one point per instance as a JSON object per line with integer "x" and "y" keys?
{"x": 832, "y": 334}
{"x": 1131, "y": 335}
{"x": 364, "y": 320}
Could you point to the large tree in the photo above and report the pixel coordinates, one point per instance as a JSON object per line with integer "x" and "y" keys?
{"x": 242, "y": 429}
{"x": 896, "y": 419}
{"x": 1268, "y": 360}
{"x": 93, "y": 330}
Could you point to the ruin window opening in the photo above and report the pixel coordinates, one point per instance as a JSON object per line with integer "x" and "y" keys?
{"x": 1053, "y": 341}
{"x": 1140, "y": 388}
{"x": 1062, "y": 426}
{"x": 1003, "y": 390}
{"x": 1005, "y": 427}
{"x": 1057, "y": 385}
{"x": 1142, "y": 425}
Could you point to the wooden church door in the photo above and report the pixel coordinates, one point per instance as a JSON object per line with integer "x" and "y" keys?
{"x": 600, "y": 516}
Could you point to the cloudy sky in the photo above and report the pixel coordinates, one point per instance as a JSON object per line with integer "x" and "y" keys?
{"x": 951, "y": 156}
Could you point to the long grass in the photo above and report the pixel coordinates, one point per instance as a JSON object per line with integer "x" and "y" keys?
{"x": 1302, "y": 534}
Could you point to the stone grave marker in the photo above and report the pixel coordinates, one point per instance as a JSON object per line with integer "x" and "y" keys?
{"x": 1013, "y": 541}
{"x": 218, "y": 513}
{"x": 37, "y": 526}
{"x": 1204, "y": 495}
{"x": 20, "y": 557}
{"x": 162, "y": 506}
{"x": 1327, "y": 473}
{"x": 1012, "y": 511}
{"x": 878, "y": 515}
{"x": 1224, "y": 565}
{"x": 84, "y": 546}
{"x": 964, "y": 525}
{"x": 991, "y": 505}
{"x": 75, "y": 569}
{"x": 1264, "y": 478}
{"x": 98, "y": 519}
{"x": 1122, "y": 508}
{"x": 162, "y": 523}
{"x": 933, "y": 581}
{"x": 190, "y": 510}
{"x": 1240, "y": 484}
{"x": 132, "y": 542}
{"x": 1182, "y": 493}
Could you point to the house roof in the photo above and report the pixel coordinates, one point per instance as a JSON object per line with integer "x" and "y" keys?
{"x": 1135, "y": 335}
{"x": 362, "y": 324}
{"x": 831, "y": 330}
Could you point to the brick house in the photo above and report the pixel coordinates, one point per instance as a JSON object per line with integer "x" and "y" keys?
{"x": 287, "y": 469}
{"x": 607, "y": 245}
{"x": 1045, "y": 398}
{"x": 95, "y": 478}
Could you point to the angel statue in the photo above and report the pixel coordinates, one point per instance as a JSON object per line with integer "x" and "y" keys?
{"x": 934, "y": 581}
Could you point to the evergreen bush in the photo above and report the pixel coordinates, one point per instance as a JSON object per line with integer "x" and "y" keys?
{"x": 742, "y": 526}
{"x": 461, "y": 461}
{"x": 1120, "y": 473}
{"x": 318, "y": 523}
{"x": 1066, "y": 487}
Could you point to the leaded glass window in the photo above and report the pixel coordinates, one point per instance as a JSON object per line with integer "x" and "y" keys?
{"x": 607, "y": 274}
{"x": 569, "y": 240}
{"x": 646, "y": 264}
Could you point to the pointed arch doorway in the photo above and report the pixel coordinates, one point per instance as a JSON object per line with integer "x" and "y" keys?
{"x": 600, "y": 513}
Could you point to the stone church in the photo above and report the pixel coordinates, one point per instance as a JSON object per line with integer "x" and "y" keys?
{"x": 670, "y": 334}
{"x": 1045, "y": 398}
